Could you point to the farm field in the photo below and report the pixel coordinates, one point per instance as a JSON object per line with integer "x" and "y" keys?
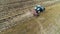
{"x": 47, "y": 23}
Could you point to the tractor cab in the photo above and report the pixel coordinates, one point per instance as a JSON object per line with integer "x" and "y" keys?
{"x": 39, "y": 8}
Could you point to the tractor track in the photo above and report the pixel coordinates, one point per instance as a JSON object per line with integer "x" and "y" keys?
{"x": 6, "y": 12}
